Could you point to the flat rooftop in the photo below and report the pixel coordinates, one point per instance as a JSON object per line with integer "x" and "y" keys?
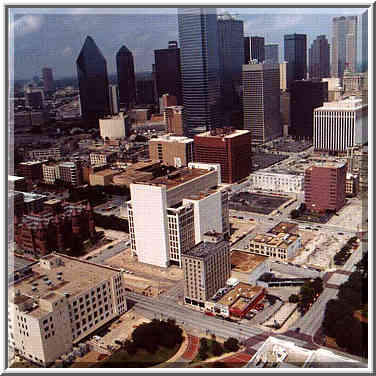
{"x": 285, "y": 227}
{"x": 15, "y": 178}
{"x": 77, "y": 276}
{"x": 282, "y": 240}
{"x": 203, "y": 194}
{"x": 245, "y": 262}
{"x": 31, "y": 163}
{"x": 223, "y": 133}
{"x": 351, "y": 103}
{"x": 204, "y": 249}
{"x": 240, "y": 296}
{"x": 107, "y": 172}
{"x": 29, "y": 197}
{"x": 170, "y": 138}
{"x": 327, "y": 164}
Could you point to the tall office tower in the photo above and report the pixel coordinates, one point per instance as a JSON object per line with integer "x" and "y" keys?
{"x": 168, "y": 72}
{"x": 48, "y": 80}
{"x": 365, "y": 41}
{"x": 126, "y": 77}
{"x": 206, "y": 268}
{"x": 145, "y": 93}
{"x": 229, "y": 147}
{"x": 272, "y": 53}
{"x": 257, "y": 48}
{"x": 247, "y": 50}
{"x": 319, "y": 58}
{"x": 341, "y": 125}
{"x": 296, "y": 56}
{"x": 344, "y": 44}
{"x": 261, "y": 102}
{"x": 92, "y": 81}
{"x": 198, "y": 35}
{"x": 306, "y": 95}
{"x": 283, "y": 72}
{"x": 114, "y": 99}
{"x": 324, "y": 186}
{"x": 231, "y": 54}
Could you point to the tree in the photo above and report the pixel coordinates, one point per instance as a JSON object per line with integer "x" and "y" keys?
{"x": 293, "y": 298}
{"x": 317, "y": 285}
{"x": 344, "y": 331}
{"x": 335, "y": 311}
{"x": 204, "y": 344}
{"x": 130, "y": 347}
{"x": 294, "y": 214}
{"x": 231, "y": 344}
{"x": 217, "y": 349}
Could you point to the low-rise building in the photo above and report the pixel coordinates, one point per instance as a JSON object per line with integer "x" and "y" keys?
{"x": 17, "y": 183}
{"x": 277, "y": 181}
{"x": 51, "y": 172}
{"x": 31, "y": 170}
{"x": 114, "y": 127}
{"x": 60, "y": 301}
{"x": 352, "y": 185}
{"x": 49, "y": 153}
{"x": 71, "y": 173}
{"x": 173, "y": 117}
{"x": 102, "y": 158}
{"x": 103, "y": 177}
{"x": 32, "y": 202}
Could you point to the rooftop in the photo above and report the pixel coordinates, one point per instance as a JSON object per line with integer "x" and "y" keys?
{"x": 31, "y": 163}
{"x": 67, "y": 164}
{"x": 327, "y": 164}
{"x": 28, "y": 197}
{"x": 171, "y": 138}
{"x": 223, "y": 133}
{"x": 15, "y": 178}
{"x": 282, "y": 240}
{"x": 107, "y": 172}
{"x": 204, "y": 249}
{"x": 284, "y": 227}
{"x": 351, "y": 103}
{"x": 239, "y": 297}
{"x": 245, "y": 262}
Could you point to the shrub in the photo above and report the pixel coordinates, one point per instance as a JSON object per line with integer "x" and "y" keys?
{"x": 231, "y": 344}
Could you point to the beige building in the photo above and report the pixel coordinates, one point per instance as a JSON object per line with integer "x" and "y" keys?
{"x": 283, "y": 75}
{"x": 104, "y": 177}
{"x": 51, "y": 172}
{"x": 102, "y": 158}
{"x": 171, "y": 150}
{"x": 51, "y": 153}
{"x": 174, "y": 119}
{"x": 206, "y": 269}
{"x": 335, "y": 91}
{"x": 114, "y": 127}
{"x": 61, "y": 301}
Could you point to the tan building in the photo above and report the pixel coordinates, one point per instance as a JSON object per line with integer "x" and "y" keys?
{"x": 114, "y": 127}
{"x": 174, "y": 120}
{"x": 281, "y": 246}
{"x": 206, "y": 269}
{"x": 352, "y": 185}
{"x": 51, "y": 172}
{"x": 102, "y": 158}
{"x": 283, "y": 70}
{"x": 171, "y": 150}
{"x": 104, "y": 177}
{"x": 61, "y": 301}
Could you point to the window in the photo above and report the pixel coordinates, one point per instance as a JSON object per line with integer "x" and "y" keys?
{"x": 81, "y": 299}
{"x": 87, "y": 296}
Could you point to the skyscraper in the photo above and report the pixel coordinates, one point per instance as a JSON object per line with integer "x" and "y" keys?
{"x": 257, "y": 48}
{"x": 247, "y": 50}
{"x": 365, "y": 41}
{"x": 114, "y": 99}
{"x": 296, "y": 56}
{"x": 319, "y": 58}
{"x": 261, "y": 102}
{"x": 92, "y": 81}
{"x": 198, "y": 35}
{"x": 231, "y": 55}
{"x": 344, "y": 44}
{"x": 168, "y": 72}
{"x": 48, "y": 80}
{"x": 272, "y": 53}
{"x": 126, "y": 77}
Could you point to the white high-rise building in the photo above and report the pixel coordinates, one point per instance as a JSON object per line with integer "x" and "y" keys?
{"x": 340, "y": 125}
{"x": 114, "y": 127}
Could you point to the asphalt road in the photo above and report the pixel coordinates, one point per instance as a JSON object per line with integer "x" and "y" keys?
{"x": 108, "y": 253}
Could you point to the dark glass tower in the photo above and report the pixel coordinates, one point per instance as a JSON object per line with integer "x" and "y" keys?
{"x": 258, "y": 49}
{"x": 126, "y": 77}
{"x": 92, "y": 81}
{"x": 168, "y": 72}
{"x": 319, "y": 58}
{"x": 247, "y": 50}
{"x": 272, "y": 53}
{"x": 296, "y": 56}
{"x": 198, "y": 35}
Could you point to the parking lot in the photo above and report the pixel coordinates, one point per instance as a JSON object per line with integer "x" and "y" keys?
{"x": 351, "y": 215}
{"x": 264, "y": 160}
{"x": 240, "y": 227}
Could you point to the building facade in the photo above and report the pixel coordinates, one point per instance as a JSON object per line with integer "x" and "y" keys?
{"x": 296, "y": 56}
{"x": 51, "y": 172}
{"x": 174, "y": 119}
{"x": 257, "y": 48}
{"x": 32, "y": 170}
{"x": 126, "y": 77}
{"x": 114, "y": 127}
{"x": 114, "y": 99}
{"x": 71, "y": 173}
{"x": 41, "y": 154}
{"x": 48, "y": 80}
{"x": 272, "y": 53}
{"x": 261, "y": 102}
{"x": 102, "y": 158}
{"x": 200, "y": 67}
{"x": 247, "y": 50}
{"x": 283, "y": 75}
{"x": 319, "y": 58}
{"x": 277, "y": 181}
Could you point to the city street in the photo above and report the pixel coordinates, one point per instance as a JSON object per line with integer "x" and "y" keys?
{"x": 108, "y": 253}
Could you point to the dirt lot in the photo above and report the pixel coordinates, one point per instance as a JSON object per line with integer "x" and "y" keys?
{"x": 245, "y": 262}
{"x": 239, "y": 227}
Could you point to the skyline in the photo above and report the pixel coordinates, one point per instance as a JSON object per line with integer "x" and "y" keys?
{"x": 33, "y": 33}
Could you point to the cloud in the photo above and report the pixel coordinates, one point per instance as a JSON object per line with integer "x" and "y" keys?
{"x": 67, "y": 51}
{"x": 269, "y": 23}
{"x": 27, "y": 24}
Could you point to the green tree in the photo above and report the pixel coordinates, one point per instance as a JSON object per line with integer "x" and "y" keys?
{"x": 217, "y": 349}
{"x": 231, "y": 344}
{"x": 293, "y": 298}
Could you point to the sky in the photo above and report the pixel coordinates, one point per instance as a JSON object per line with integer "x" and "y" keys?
{"x": 53, "y": 37}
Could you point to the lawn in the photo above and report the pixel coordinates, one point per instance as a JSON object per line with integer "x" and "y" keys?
{"x": 142, "y": 359}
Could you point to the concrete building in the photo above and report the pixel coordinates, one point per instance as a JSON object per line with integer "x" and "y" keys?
{"x": 353, "y": 83}
{"x": 31, "y": 170}
{"x": 277, "y": 181}
{"x": 103, "y": 177}
{"x": 325, "y": 186}
{"x": 70, "y": 172}
{"x": 206, "y": 269}
{"x": 17, "y": 183}
{"x": 171, "y": 150}
{"x": 335, "y": 90}
{"x": 174, "y": 119}
{"x": 283, "y": 74}
{"x": 32, "y": 202}
{"x": 153, "y": 199}
{"x": 114, "y": 99}
{"x": 261, "y": 102}
{"x": 50, "y": 153}
{"x": 340, "y": 125}
{"x": 61, "y": 301}
{"x": 166, "y": 100}
{"x": 229, "y": 147}
{"x": 114, "y": 127}
{"x": 285, "y": 99}
{"x": 272, "y": 53}
{"x": 51, "y": 172}
{"x": 103, "y": 157}
{"x": 281, "y": 246}
{"x": 352, "y": 185}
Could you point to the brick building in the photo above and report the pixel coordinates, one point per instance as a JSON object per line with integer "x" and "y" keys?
{"x": 44, "y": 232}
{"x": 31, "y": 170}
{"x": 325, "y": 185}
{"x": 229, "y": 147}
{"x": 173, "y": 116}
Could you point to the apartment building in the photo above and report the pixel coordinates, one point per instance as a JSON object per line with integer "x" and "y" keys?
{"x": 206, "y": 268}
{"x": 60, "y": 301}
{"x": 70, "y": 172}
{"x": 31, "y": 170}
{"x": 102, "y": 158}
{"x": 51, "y": 172}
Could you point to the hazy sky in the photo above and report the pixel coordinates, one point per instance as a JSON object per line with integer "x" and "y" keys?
{"x": 54, "y": 37}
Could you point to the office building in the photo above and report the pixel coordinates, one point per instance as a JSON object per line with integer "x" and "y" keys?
{"x": 42, "y": 154}
{"x": 319, "y": 58}
{"x": 273, "y": 180}
{"x": 340, "y": 125}
{"x": 71, "y": 173}
{"x": 171, "y": 150}
{"x": 59, "y": 302}
{"x": 344, "y": 45}
{"x": 103, "y": 177}
{"x": 168, "y": 72}
{"x": 198, "y": 35}
{"x": 126, "y": 78}
{"x": 32, "y": 202}
{"x": 296, "y": 56}
{"x": 283, "y": 75}
{"x": 114, "y": 127}
{"x": 306, "y": 95}
{"x": 145, "y": 93}
{"x": 51, "y": 172}
{"x": 166, "y": 100}
{"x": 231, "y": 55}
{"x": 231, "y": 148}
{"x": 261, "y": 102}
{"x": 272, "y": 53}
{"x": 353, "y": 83}
{"x": 114, "y": 99}
{"x": 102, "y": 157}
{"x": 174, "y": 120}
{"x": 257, "y": 49}
{"x": 206, "y": 269}
{"x": 31, "y": 170}
{"x": 365, "y": 41}
{"x": 325, "y": 186}
{"x": 335, "y": 90}
{"x": 34, "y": 98}
{"x": 161, "y": 201}
{"x": 92, "y": 81}
{"x": 285, "y": 109}
{"x": 247, "y": 50}
{"x": 48, "y": 80}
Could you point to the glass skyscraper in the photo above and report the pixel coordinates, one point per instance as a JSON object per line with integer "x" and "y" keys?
{"x": 198, "y": 35}
{"x": 92, "y": 81}
{"x": 272, "y": 53}
{"x": 126, "y": 77}
{"x": 296, "y": 56}
{"x": 319, "y": 58}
